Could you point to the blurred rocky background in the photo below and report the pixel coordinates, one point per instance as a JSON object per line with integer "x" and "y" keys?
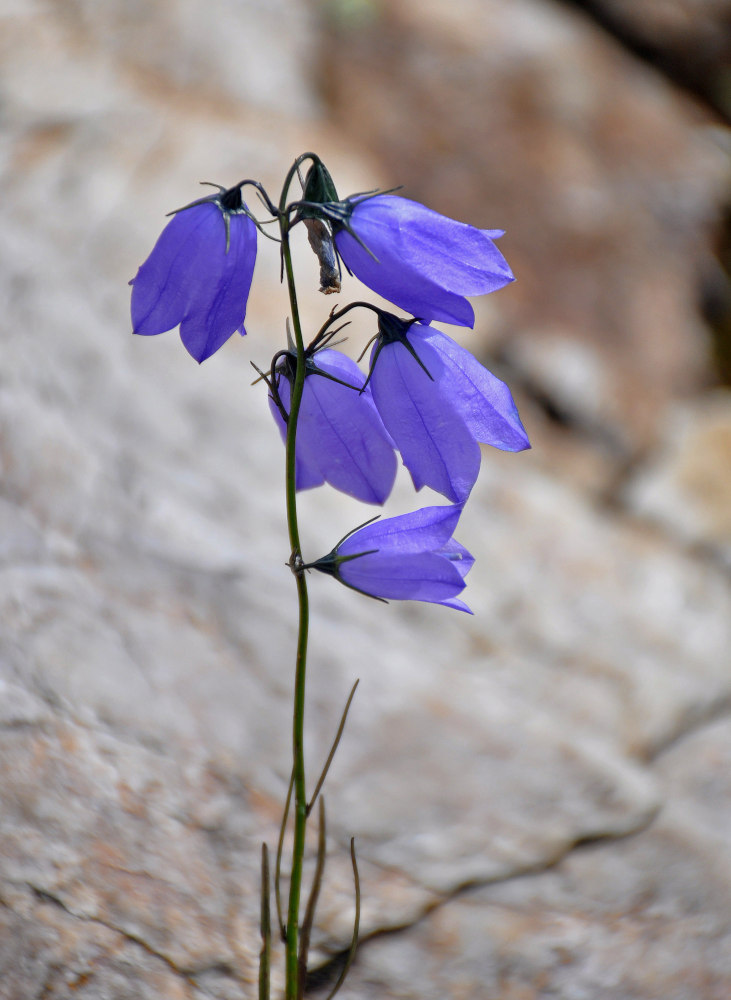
{"x": 541, "y": 795}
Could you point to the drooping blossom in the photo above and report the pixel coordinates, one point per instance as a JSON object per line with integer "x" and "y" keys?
{"x": 340, "y": 436}
{"x": 437, "y": 402}
{"x": 412, "y": 557}
{"x": 198, "y": 275}
{"x": 416, "y": 258}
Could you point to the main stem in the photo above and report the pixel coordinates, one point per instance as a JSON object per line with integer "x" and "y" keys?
{"x": 295, "y": 979}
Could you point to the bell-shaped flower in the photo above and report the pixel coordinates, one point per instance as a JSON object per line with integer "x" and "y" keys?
{"x": 437, "y": 402}
{"x": 341, "y": 439}
{"x": 412, "y": 557}
{"x": 198, "y": 275}
{"x": 416, "y": 258}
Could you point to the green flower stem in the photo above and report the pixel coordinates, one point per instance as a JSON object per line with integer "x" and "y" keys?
{"x": 295, "y": 978}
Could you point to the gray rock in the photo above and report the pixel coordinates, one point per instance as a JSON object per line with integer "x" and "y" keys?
{"x": 638, "y": 919}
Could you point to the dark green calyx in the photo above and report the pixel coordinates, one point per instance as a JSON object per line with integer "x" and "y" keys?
{"x": 330, "y": 564}
{"x": 391, "y": 328}
{"x": 231, "y": 200}
{"x": 287, "y": 365}
{"x": 327, "y": 564}
{"x": 319, "y": 188}
{"x": 287, "y": 368}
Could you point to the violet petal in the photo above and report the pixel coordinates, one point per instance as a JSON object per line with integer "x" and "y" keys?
{"x": 423, "y": 576}
{"x": 340, "y": 435}
{"x": 484, "y": 401}
{"x": 425, "y": 262}
{"x": 306, "y": 477}
{"x": 401, "y": 284}
{"x": 426, "y": 529}
{"x": 190, "y": 279}
{"x": 436, "y": 445}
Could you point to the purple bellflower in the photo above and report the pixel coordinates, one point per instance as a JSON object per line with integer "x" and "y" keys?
{"x": 340, "y": 436}
{"x": 412, "y": 557}
{"x": 416, "y": 258}
{"x": 198, "y": 275}
{"x": 437, "y": 402}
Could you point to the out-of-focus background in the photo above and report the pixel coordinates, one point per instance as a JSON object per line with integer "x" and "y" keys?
{"x": 541, "y": 794}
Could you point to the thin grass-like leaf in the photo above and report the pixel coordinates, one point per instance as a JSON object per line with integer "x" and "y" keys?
{"x": 356, "y": 925}
{"x": 278, "y": 863}
{"x": 333, "y": 748}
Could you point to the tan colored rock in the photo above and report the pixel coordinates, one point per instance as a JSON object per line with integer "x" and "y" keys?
{"x": 527, "y": 117}
{"x": 689, "y": 39}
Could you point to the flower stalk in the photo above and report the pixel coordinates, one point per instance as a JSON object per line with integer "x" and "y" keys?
{"x": 294, "y": 977}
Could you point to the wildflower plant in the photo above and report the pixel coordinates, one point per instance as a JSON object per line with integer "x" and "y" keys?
{"x": 423, "y": 396}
